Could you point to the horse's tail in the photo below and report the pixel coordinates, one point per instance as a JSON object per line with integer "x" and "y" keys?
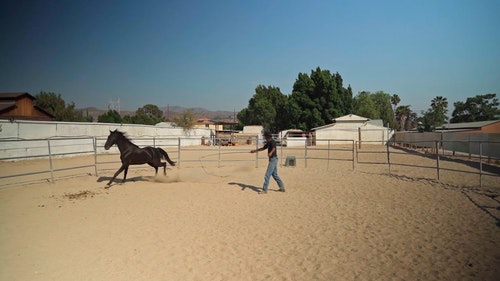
{"x": 165, "y": 155}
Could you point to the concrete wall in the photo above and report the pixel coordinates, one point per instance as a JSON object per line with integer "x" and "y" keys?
{"x": 47, "y": 129}
{"x": 35, "y": 138}
{"x": 470, "y": 143}
{"x": 427, "y": 139}
{"x": 454, "y": 141}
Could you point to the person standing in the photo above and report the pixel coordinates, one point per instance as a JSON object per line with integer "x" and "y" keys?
{"x": 272, "y": 167}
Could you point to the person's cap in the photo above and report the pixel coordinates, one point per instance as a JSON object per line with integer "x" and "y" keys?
{"x": 267, "y": 134}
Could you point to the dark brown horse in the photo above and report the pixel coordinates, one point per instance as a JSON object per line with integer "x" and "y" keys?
{"x": 131, "y": 154}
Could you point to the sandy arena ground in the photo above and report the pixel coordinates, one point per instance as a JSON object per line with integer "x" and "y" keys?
{"x": 204, "y": 222}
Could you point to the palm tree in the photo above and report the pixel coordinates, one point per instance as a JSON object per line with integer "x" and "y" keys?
{"x": 394, "y": 101}
{"x": 439, "y": 106}
{"x": 402, "y": 113}
{"x": 440, "y": 103}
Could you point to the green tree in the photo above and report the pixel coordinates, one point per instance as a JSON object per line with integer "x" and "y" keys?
{"x": 80, "y": 116}
{"x": 435, "y": 116}
{"x": 439, "y": 106}
{"x": 294, "y": 113}
{"x": 375, "y": 106}
{"x": 478, "y": 108}
{"x": 395, "y": 100}
{"x": 320, "y": 98}
{"x": 265, "y": 108}
{"x": 112, "y": 116}
{"x": 406, "y": 118}
{"x": 128, "y": 119}
{"x": 186, "y": 120}
{"x": 383, "y": 103}
{"x": 345, "y": 96}
{"x": 364, "y": 105}
{"x": 150, "y": 110}
{"x": 301, "y": 111}
{"x": 427, "y": 122}
{"x": 55, "y": 105}
{"x": 315, "y": 100}
{"x": 149, "y": 114}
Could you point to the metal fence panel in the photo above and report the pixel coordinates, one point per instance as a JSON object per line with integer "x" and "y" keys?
{"x": 188, "y": 150}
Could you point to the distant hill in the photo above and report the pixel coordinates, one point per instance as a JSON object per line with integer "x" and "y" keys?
{"x": 170, "y": 113}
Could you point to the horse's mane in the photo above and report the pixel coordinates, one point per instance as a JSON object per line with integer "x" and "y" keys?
{"x": 125, "y": 137}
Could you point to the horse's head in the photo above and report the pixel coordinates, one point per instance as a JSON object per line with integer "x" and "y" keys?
{"x": 112, "y": 138}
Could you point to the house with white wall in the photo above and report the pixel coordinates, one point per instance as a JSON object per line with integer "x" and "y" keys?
{"x": 350, "y": 128}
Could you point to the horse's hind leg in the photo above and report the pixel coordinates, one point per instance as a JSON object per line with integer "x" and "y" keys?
{"x": 164, "y": 168}
{"x": 154, "y": 166}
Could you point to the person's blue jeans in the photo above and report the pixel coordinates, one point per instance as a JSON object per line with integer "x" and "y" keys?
{"x": 272, "y": 170}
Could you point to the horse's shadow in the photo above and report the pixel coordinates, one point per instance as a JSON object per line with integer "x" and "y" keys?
{"x": 117, "y": 181}
{"x": 245, "y": 186}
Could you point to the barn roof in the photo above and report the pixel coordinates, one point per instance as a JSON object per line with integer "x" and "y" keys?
{"x": 351, "y": 118}
{"x": 467, "y": 125}
{"x": 14, "y": 96}
{"x": 8, "y": 101}
{"x": 4, "y": 105}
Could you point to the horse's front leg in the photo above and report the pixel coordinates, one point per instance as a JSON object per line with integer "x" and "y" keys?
{"x": 123, "y": 167}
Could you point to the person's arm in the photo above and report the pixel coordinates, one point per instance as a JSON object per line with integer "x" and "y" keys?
{"x": 257, "y": 150}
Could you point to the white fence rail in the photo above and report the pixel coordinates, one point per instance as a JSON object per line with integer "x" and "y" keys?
{"x": 184, "y": 150}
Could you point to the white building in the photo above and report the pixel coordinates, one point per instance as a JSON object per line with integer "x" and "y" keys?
{"x": 253, "y": 130}
{"x": 350, "y": 128}
{"x": 292, "y": 137}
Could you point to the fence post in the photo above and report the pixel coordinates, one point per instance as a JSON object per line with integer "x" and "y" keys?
{"x": 437, "y": 158}
{"x": 480, "y": 165}
{"x": 305, "y": 155}
{"x": 442, "y": 145}
{"x": 218, "y": 162}
{"x": 95, "y": 155}
{"x": 353, "y": 148}
{"x": 50, "y": 161}
{"x": 357, "y": 150}
{"x": 256, "y": 154}
{"x": 359, "y": 137}
{"x": 179, "y": 152}
{"x": 281, "y": 152}
{"x": 388, "y": 157}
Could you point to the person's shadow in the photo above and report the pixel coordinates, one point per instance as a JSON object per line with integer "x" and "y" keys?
{"x": 245, "y": 186}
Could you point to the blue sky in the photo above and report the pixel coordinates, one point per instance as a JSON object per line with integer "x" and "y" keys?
{"x": 213, "y": 54}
